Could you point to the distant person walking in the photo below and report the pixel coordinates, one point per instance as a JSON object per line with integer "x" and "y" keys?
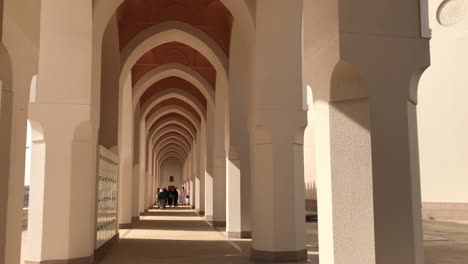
{"x": 170, "y": 197}
{"x": 167, "y": 195}
{"x": 182, "y": 195}
{"x": 176, "y": 197}
{"x": 162, "y": 197}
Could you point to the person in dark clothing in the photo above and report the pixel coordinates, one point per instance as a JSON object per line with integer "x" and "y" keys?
{"x": 176, "y": 198}
{"x": 167, "y": 196}
{"x": 170, "y": 196}
{"x": 162, "y": 196}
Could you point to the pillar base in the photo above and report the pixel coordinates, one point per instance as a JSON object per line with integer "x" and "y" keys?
{"x": 102, "y": 251}
{"x": 209, "y": 218}
{"x": 214, "y": 223}
{"x": 84, "y": 260}
{"x": 218, "y": 223}
{"x": 125, "y": 226}
{"x": 135, "y": 219}
{"x": 278, "y": 256}
{"x": 239, "y": 235}
{"x": 200, "y": 212}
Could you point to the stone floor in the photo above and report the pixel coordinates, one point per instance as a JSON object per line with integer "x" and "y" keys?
{"x": 181, "y": 236}
{"x": 446, "y": 242}
{"x": 175, "y": 236}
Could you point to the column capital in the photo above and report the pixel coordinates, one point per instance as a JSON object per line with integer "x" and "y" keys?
{"x": 62, "y": 119}
{"x": 280, "y": 124}
{"x": 387, "y": 62}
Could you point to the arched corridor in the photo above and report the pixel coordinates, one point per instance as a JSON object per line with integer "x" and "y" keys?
{"x": 277, "y": 125}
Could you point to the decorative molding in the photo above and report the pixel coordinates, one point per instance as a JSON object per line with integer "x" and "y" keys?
{"x": 450, "y": 12}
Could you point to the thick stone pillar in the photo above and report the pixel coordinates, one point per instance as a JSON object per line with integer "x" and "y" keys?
{"x": 191, "y": 192}
{"x": 208, "y": 161}
{"x": 136, "y": 190}
{"x": 18, "y": 80}
{"x": 6, "y": 108}
{"x": 343, "y": 143}
{"x": 279, "y": 120}
{"x": 143, "y": 183}
{"x": 126, "y": 160}
{"x": 62, "y": 200}
{"x": 233, "y": 192}
{"x": 238, "y": 164}
{"x": 221, "y": 116}
{"x": 395, "y": 160}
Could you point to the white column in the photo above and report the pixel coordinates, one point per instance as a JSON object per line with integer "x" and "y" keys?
{"x": 148, "y": 160}
{"x": 343, "y": 144}
{"x": 279, "y": 120}
{"x": 233, "y": 192}
{"x": 208, "y": 162}
{"x": 198, "y": 164}
{"x": 126, "y": 190}
{"x": 238, "y": 170}
{"x": 395, "y": 160}
{"x": 390, "y": 60}
{"x": 143, "y": 184}
{"x": 191, "y": 192}
{"x": 63, "y": 202}
{"x": 219, "y": 153}
{"x": 136, "y": 191}
{"x": 21, "y": 51}
{"x": 6, "y": 108}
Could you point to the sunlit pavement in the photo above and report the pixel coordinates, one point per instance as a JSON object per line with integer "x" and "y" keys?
{"x": 179, "y": 235}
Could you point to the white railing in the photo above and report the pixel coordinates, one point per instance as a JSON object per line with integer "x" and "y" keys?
{"x": 107, "y": 187}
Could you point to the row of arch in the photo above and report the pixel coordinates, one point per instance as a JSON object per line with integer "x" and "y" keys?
{"x": 196, "y": 125}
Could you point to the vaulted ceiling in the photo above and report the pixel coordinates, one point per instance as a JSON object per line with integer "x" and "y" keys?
{"x": 208, "y": 16}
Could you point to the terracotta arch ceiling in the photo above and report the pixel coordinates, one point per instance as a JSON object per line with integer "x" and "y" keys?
{"x": 176, "y": 139}
{"x": 176, "y": 127}
{"x": 173, "y": 82}
{"x": 209, "y": 16}
{"x": 172, "y": 134}
{"x": 174, "y": 115}
{"x": 170, "y": 144}
{"x": 158, "y": 151}
{"x": 173, "y": 155}
{"x": 170, "y": 157}
{"x": 174, "y": 52}
{"x": 169, "y": 147}
{"x": 173, "y": 102}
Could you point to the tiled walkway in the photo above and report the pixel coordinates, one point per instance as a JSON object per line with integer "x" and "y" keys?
{"x": 181, "y": 236}
{"x": 445, "y": 242}
{"x": 175, "y": 236}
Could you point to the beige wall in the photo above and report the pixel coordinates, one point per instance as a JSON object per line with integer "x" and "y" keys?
{"x": 442, "y": 113}
{"x": 171, "y": 167}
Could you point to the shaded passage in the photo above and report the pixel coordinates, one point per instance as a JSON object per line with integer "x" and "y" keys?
{"x": 176, "y": 235}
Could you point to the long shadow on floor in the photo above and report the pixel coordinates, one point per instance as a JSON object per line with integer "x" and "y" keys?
{"x": 169, "y": 212}
{"x": 184, "y": 225}
{"x": 145, "y": 251}
{"x": 175, "y": 235}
